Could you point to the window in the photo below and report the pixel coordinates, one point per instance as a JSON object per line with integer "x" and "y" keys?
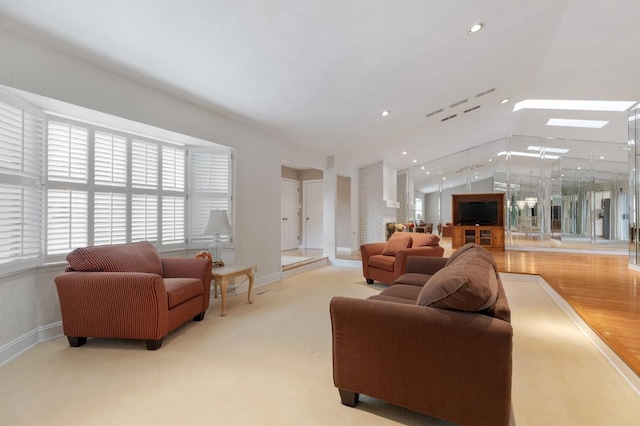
{"x": 108, "y": 187}
{"x": 20, "y": 184}
{"x": 66, "y": 184}
{"x": 210, "y": 188}
{"x": 418, "y": 211}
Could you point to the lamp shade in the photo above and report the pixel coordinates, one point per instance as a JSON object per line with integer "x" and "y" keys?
{"x": 218, "y": 223}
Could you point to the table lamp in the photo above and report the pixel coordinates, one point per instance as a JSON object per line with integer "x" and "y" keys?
{"x": 218, "y": 225}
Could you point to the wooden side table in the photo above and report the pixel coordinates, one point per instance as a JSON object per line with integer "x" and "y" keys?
{"x": 222, "y": 275}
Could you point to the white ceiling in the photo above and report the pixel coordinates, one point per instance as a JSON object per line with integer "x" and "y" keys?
{"x": 318, "y": 73}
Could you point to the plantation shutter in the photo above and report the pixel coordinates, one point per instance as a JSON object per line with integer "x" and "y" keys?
{"x": 67, "y": 194}
{"x": 20, "y": 183}
{"x": 210, "y": 188}
{"x": 173, "y": 207}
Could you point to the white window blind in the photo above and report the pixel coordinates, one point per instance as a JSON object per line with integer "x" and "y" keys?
{"x": 173, "y": 220}
{"x": 67, "y": 220}
{"x": 110, "y": 218}
{"x": 144, "y": 169}
{"x": 173, "y": 168}
{"x": 110, "y": 159}
{"x": 20, "y": 185}
{"x": 210, "y": 183}
{"x": 144, "y": 218}
{"x": 67, "y": 152}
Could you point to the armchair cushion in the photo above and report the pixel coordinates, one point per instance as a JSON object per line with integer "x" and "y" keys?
{"x": 422, "y": 240}
{"x": 397, "y": 242}
{"x": 468, "y": 284}
{"x": 180, "y": 290}
{"x": 135, "y": 257}
{"x": 386, "y": 263}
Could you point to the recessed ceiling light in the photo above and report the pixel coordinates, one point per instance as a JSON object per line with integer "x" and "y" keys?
{"x": 505, "y": 100}
{"x": 573, "y": 105}
{"x": 414, "y": 161}
{"x": 405, "y": 152}
{"x": 422, "y": 168}
{"x": 428, "y": 173}
{"x": 547, "y": 149}
{"x": 475, "y": 28}
{"x": 385, "y": 113}
{"x": 602, "y": 157}
{"x": 590, "y": 124}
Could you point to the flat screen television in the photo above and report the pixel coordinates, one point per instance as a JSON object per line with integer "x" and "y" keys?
{"x": 478, "y": 213}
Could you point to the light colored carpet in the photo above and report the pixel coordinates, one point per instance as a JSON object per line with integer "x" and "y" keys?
{"x": 269, "y": 363}
{"x": 290, "y": 260}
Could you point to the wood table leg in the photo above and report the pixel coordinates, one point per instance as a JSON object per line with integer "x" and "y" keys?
{"x": 224, "y": 282}
{"x": 250, "y": 275}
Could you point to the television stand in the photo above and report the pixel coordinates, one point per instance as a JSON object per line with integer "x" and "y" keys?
{"x": 491, "y": 237}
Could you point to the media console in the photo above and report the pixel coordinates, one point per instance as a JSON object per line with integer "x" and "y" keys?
{"x": 478, "y": 218}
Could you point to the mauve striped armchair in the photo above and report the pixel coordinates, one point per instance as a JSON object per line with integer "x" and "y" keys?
{"x": 128, "y": 291}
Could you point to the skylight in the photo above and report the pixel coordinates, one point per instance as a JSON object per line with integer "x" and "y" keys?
{"x": 529, "y": 154}
{"x": 590, "y": 124}
{"x": 573, "y": 105}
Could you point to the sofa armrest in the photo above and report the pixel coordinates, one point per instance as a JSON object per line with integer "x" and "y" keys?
{"x": 429, "y": 360}
{"x": 424, "y": 264}
{"x": 400, "y": 263}
{"x": 187, "y": 267}
{"x": 113, "y": 304}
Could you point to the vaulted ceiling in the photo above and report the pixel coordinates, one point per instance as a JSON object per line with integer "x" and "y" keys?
{"x": 318, "y": 73}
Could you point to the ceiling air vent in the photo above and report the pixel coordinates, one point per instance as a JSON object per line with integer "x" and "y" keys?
{"x": 486, "y": 92}
{"x": 449, "y": 117}
{"x": 471, "y": 109}
{"x": 458, "y": 103}
{"x": 435, "y": 112}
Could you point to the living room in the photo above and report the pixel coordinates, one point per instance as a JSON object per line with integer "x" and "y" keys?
{"x": 41, "y": 66}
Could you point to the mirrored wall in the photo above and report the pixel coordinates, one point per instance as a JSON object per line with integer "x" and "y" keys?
{"x": 560, "y": 193}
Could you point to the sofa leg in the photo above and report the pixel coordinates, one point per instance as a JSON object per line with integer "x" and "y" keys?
{"x": 152, "y": 345}
{"x": 199, "y": 317}
{"x": 348, "y": 398}
{"x": 75, "y": 342}
{"x": 369, "y": 281}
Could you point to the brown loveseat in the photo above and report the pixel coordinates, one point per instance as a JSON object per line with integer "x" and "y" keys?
{"x": 128, "y": 291}
{"x": 385, "y": 262}
{"x": 438, "y": 342}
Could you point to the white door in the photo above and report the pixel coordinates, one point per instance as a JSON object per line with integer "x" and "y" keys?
{"x": 290, "y": 206}
{"x": 313, "y": 202}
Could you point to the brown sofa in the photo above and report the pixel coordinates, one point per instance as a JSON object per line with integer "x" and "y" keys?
{"x": 438, "y": 342}
{"x": 128, "y": 291}
{"x": 386, "y": 261}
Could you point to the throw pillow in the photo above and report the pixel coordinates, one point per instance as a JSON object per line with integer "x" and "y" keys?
{"x": 398, "y": 241}
{"x": 469, "y": 285}
{"x": 422, "y": 240}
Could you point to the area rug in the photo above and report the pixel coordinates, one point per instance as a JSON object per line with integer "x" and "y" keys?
{"x": 290, "y": 260}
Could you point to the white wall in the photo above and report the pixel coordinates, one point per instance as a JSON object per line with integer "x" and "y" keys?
{"x": 29, "y": 300}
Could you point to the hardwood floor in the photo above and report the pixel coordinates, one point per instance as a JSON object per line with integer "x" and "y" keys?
{"x": 600, "y": 288}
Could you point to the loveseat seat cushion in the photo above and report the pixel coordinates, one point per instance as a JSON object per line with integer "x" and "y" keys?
{"x": 400, "y": 291}
{"x": 134, "y": 257}
{"x": 468, "y": 284}
{"x": 180, "y": 290}
{"x": 382, "y": 262}
{"x": 412, "y": 278}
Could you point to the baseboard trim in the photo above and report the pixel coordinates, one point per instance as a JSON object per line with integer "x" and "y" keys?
{"x": 29, "y": 340}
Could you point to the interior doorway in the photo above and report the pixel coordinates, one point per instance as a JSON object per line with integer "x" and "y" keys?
{"x": 290, "y": 207}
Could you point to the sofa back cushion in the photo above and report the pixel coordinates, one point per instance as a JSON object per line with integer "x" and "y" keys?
{"x": 134, "y": 257}
{"x": 472, "y": 248}
{"x": 422, "y": 240}
{"x": 398, "y": 241}
{"x": 469, "y": 284}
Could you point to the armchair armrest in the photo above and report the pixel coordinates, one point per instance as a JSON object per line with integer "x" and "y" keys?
{"x": 400, "y": 265}
{"x": 429, "y": 360}
{"x": 368, "y": 250}
{"x": 113, "y": 304}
